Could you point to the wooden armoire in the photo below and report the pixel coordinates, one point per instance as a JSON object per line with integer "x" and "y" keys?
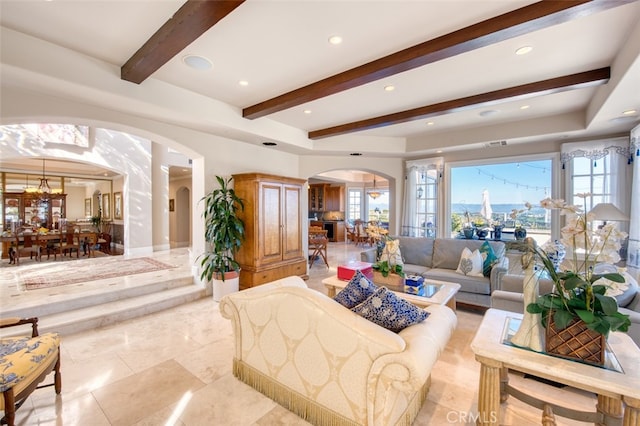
{"x": 273, "y": 223}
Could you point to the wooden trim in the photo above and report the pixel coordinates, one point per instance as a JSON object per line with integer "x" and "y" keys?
{"x": 192, "y": 20}
{"x": 544, "y": 87}
{"x": 521, "y": 21}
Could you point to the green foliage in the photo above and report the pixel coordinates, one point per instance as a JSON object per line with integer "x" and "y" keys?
{"x": 223, "y": 230}
{"x": 385, "y": 269}
{"x": 456, "y": 222}
{"x": 576, "y": 296}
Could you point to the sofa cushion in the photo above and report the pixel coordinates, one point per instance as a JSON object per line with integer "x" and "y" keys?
{"x": 489, "y": 258}
{"x": 390, "y": 311}
{"x": 479, "y": 285}
{"x": 356, "y": 291}
{"x": 470, "y": 263}
{"x": 416, "y": 251}
{"x": 411, "y": 269}
{"x": 446, "y": 251}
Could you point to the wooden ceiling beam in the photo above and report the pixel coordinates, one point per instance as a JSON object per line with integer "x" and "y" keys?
{"x": 539, "y": 88}
{"x": 503, "y": 27}
{"x": 192, "y": 20}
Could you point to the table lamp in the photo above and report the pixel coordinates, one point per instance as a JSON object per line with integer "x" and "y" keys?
{"x": 607, "y": 211}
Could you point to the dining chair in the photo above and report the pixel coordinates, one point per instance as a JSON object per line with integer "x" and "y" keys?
{"x": 52, "y": 244}
{"x": 70, "y": 243}
{"x": 27, "y": 243}
{"x": 361, "y": 236}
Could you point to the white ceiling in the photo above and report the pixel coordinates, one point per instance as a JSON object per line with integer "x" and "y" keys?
{"x": 279, "y": 46}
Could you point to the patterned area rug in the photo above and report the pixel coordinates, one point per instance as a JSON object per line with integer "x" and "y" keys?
{"x": 88, "y": 270}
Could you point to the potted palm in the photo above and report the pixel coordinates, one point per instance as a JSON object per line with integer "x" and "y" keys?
{"x": 224, "y": 233}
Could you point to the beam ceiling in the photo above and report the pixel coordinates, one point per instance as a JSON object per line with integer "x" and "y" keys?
{"x": 503, "y": 27}
{"x": 524, "y": 91}
{"x": 192, "y": 20}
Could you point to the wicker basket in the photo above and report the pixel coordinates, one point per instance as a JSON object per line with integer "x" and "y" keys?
{"x": 393, "y": 282}
{"x": 575, "y": 342}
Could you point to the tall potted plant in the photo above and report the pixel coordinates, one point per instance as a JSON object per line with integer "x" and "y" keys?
{"x": 224, "y": 233}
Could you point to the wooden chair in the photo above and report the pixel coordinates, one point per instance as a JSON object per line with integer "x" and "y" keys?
{"x": 361, "y": 236}
{"x": 351, "y": 233}
{"x": 51, "y": 244}
{"x": 104, "y": 243}
{"x": 25, "y": 363}
{"x": 29, "y": 244}
{"x": 71, "y": 242}
{"x": 318, "y": 242}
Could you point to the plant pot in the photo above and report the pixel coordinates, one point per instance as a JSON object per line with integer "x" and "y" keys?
{"x": 393, "y": 282}
{"x": 468, "y": 233}
{"x": 520, "y": 234}
{"x": 575, "y": 342}
{"x": 497, "y": 233}
{"x": 231, "y": 284}
{"x": 482, "y": 233}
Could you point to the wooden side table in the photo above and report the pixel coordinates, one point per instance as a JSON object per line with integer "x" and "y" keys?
{"x": 618, "y": 391}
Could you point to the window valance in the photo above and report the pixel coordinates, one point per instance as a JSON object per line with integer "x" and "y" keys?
{"x": 426, "y": 164}
{"x": 596, "y": 150}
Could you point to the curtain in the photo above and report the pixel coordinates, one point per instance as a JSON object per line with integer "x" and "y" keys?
{"x": 617, "y": 165}
{"x": 410, "y": 227}
{"x": 633, "y": 252}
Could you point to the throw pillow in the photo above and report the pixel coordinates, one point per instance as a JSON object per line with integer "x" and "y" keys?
{"x": 489, "y": 258}
{"x": 356, "y": 291}
{"x": 470, "y": 263}
{"x": 390, "y": 311}
{"x": 391, "y": 253}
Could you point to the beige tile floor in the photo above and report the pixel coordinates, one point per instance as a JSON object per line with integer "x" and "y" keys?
{"x": 174, "y": 368}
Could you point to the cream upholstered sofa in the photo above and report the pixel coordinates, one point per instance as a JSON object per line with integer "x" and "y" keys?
{"x": 326, "y": 363}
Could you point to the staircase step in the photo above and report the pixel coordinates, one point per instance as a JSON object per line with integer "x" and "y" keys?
{"x": 102, "y": 304}
{"x": 104, "y": 314}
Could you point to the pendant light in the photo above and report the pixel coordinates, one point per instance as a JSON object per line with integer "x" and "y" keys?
{"x": 374, "y": 194}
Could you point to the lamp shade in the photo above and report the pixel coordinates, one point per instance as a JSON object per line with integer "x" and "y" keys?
{"x": 607, "y": 211}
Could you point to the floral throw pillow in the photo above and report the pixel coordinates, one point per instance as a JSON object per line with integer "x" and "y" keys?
{"x": 356, "y": 291}
{"x": 390, "y": 311}
{"x": 489, "y": 258}
{"x": 470, "y": 263}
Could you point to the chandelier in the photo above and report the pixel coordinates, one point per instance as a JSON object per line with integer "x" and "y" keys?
{"x": 44, "y": 189}
{"x": 374, "y": 193}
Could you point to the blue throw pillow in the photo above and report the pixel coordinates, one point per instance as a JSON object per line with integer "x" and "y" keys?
{"x": 390, "y": 311}
{"x": 356, "y": 292}
{"x": 489, "y": 258}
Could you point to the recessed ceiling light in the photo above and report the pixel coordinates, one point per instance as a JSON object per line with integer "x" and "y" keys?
{"x": 524, "y": 107}
{"x": 307, "y": 111}
{"x": 430, "y": 123}
{"x": 356, "y": 154}
{"x": 390, "y": 88}
{"x": 488, "y": 113}
{"x": 269, "y": 143}
{"x": 197, "y": 62}
{"x": 524, "y": 50}
{"x": 335, "y": 39}
{"x": 439, "y": 151}
{"x": 629, "y": 112}
{"x": 243, "y": 83}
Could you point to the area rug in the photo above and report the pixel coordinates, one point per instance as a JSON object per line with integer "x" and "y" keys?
{"x": 88, "y": 270}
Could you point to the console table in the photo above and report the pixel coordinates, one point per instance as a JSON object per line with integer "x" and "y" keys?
{"x": 618, "y": 391}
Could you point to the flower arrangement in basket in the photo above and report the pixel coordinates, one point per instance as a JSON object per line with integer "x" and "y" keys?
{"x": 580, "y": 296}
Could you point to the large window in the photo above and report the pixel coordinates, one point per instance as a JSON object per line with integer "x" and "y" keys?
{"x": 490, "y": 194}
{"x": 354, "y": 204}
{"x": 426, "y": 202}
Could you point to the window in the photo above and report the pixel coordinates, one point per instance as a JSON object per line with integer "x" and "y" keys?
{"x": 378, "y": 208}
{"x": 426, "y": 202}
{"x": 354, "y": 207}
{"x": 593, "y": 177}
{"x": 485, "y": 195}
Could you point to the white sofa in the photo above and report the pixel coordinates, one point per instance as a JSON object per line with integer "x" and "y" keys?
{"x": 326, "y": 363}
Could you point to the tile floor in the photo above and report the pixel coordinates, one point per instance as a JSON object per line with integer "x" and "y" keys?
{"x": 174, "y": 368}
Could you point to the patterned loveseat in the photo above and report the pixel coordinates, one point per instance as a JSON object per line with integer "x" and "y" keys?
{"x": 326, "y": 363}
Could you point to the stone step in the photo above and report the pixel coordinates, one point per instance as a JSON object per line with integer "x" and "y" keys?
{"x": 107, "y": 305}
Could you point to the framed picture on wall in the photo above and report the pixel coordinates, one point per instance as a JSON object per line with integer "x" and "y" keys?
{"x": 117, "y": 205}
{"x": 87, "y": 207}
{"x": 106, "y": 206}
{"x": 172, "y": 205}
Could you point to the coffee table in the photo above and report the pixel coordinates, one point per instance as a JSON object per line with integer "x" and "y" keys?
{"x": 615, "y": 387}
{"x": 445, "y": 292}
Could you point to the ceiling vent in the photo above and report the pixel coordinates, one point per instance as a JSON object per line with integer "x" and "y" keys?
{"x": 496, "y": 144}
